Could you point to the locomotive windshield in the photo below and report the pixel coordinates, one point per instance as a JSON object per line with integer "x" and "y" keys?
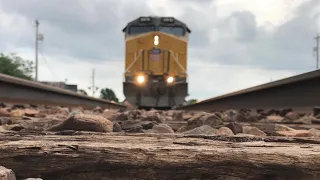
{"x": 175, "y": 30}
{"x": 141, "y": 29}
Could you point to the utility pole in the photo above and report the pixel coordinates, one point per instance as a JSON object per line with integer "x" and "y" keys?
{"x": 36, "y": 49}
{"x": 39, "y": 37}
{"x": 93, "y": 87}
{"x": 316, "y": 49}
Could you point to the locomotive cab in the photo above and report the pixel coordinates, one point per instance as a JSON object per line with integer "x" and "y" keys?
{"x": 155, "y": 62}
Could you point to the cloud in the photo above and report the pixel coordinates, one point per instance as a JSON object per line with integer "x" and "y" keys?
{"x": 238, "y": 39}
{"x": 243, "y": 43}
{"x": 78, "y": 28}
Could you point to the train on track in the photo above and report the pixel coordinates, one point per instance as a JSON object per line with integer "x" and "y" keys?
{"x": 156, "y": 62}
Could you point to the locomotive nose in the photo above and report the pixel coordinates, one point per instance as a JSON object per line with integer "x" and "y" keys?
{"x": 158, "y": 89}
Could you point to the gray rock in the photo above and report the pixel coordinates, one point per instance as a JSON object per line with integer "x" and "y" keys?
{"x": 290, "y": 117}
{"x": 110, "y": 114}
{"x": 284, "y": 112}
{"x": 205, "y": 129}
{"x": 235, "y": 127}
{"x": 195, "y": 121}
{"x": 134, "y": 114}
{"x": 304, "y": 120}
{"x": 316, "y": 111}
{"x": 6, "y": 174}
{"x": 182, "y": 129}
{"x": 270, "y": 129}
{"x": 162, "y": 128}
{"x": 148, "y": 124}
{"x": 212, "y": 120}
{"x": 84, "y": 122}
{"x": 131, "y": 125}
{"x": 121, "y": 116}
{"x": 116, "y": 127}
{"x": 250, "y": 117}
{"x": 225, "y": 131}
{"x": 5, "y": 120}
{"x": 315, "y": 121}
{"x": 15, "y": 127}
{"x": 253, "y": 131}
{"x": 272, "y": 119}
{"x": 151, "y": 116}
{"x": 178, "y": 116}
{"x": 232, "y": 116}
{"x": 315, "y": 132}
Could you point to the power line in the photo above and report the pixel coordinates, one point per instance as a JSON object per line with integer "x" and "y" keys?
{"x": 44, "y": 59}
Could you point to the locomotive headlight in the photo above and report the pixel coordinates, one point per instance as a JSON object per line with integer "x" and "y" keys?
{"x": 156, "y": 40}
{"x": 170, "y": 79}
{"x": 140, "y": 79}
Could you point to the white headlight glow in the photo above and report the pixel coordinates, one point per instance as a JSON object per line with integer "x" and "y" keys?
{"x": 156, "y": 40}
{"x": 170, "y": 79}
{"x": 140, "y": 79}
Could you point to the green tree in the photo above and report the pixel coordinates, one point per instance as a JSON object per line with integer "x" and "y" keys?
{"x": 192, "y": 101}
{"x": 108, "y": 94}
{"x": 14, "y": 65}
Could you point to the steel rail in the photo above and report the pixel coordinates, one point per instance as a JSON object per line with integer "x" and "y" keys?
{"x": 16, "y": 90}
{"x": 300, "y": 92}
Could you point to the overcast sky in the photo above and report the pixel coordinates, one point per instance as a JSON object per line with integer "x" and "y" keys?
{"x": 234, "y": 44}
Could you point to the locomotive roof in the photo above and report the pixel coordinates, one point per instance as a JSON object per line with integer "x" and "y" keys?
{"x": 156, "y": 20}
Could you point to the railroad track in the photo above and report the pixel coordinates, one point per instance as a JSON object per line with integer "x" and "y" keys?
{"x": 299, "y": 93}
{"x": 15, "y": 90}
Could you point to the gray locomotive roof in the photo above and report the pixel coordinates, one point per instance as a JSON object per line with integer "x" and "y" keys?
{"x": 156, "y": 20}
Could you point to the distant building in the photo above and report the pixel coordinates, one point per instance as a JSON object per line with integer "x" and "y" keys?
{"x": 71, "y": 87}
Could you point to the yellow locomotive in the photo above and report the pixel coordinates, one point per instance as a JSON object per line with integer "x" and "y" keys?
{"x": 156, "y": 62}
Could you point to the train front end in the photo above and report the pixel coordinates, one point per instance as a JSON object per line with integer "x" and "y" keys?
{"x": 155, "y": 62}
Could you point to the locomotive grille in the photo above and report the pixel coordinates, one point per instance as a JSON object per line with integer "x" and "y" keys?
{"x": 158, "y": 61}
{"x": 154, "y": 55}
